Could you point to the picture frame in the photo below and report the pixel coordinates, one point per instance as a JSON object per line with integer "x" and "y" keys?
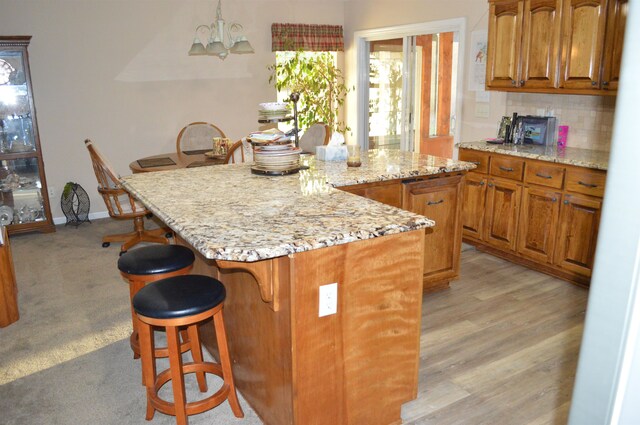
{"x": 505, "y": 125}
{"x": 532, "y": 130}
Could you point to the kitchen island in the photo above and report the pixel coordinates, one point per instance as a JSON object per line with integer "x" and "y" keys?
{"x": 273, "y": 242}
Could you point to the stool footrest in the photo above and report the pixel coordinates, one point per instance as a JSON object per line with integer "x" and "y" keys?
{"x": 160, "y": 352}
{"x": 195, "y": 407}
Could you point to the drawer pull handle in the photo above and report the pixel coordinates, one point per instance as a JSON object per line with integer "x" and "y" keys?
{"x": 435, "y": 203}
{"x": 490, "y": 184}
{"x": 587, "y": 184}
{"x": 475, "y": 162}
{"x": 566, "y": 202}
{"x": 481, "y": 183}
{"x": 509, "y": 169}
{"x": 543, "y": 176}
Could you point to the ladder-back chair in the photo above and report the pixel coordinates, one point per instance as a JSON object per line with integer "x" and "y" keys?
{"x": 121, "y": 205}
{"x": 197, "y": 137}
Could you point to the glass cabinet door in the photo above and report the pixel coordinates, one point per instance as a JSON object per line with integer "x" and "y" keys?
{"x": 24, "y": 204}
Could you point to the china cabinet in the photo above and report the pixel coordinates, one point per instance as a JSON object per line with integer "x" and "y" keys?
{"x": 24, "y": 204}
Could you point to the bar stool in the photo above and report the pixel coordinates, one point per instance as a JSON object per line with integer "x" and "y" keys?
{"x": 147, "y": 264}
{"x": 172, "y": 303}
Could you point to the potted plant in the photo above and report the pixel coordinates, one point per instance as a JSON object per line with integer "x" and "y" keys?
{"x": 321, "y": 86}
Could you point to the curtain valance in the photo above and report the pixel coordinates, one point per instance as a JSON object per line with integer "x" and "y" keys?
{"x": 315, "y": 38}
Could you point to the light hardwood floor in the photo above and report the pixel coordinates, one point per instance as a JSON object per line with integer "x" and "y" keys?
{"x": 499, "y": 347}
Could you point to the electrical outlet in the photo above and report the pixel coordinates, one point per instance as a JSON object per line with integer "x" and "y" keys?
{"x": 328, "y": 300}
{"x": 52, "y": 192}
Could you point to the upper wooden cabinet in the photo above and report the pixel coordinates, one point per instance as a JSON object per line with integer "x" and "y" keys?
{"x": 555, "y": 46}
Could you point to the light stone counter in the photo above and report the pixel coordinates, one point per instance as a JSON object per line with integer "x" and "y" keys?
{"x": 228, "y": 213}
{"x": 573, "y": 156}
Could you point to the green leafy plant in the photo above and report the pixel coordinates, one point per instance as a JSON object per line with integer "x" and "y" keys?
{"x": 320, "y": 83}
{"x": 67, "y": 189}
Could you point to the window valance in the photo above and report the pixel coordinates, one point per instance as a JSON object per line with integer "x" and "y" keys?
{"x": 314, "y": 38}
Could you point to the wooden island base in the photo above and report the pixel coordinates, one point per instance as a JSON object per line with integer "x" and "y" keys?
{"x": 354, "y": 367}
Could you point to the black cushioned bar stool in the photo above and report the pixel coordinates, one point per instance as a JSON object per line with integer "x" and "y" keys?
{"x": 174, "y": 303}
{"x": 147, "y": 264}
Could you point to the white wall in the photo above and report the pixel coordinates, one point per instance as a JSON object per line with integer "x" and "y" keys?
{"x": 608, "y": 375}
{"x": 118, "y": 72}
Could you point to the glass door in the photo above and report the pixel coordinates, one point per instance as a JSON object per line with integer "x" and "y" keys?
{"x": 386, "y": 65}
{"x": 408, "y": 84}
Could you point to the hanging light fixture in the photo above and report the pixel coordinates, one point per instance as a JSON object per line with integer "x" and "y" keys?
{"x": 221, "y": 39}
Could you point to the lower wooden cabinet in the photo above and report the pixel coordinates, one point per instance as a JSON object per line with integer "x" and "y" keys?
{"x": 546, "y": 217}
{"x": 576, "y": 243}
{"x": 538, "y": 223}
{"x": 474, "y": 195}
{"x": 440, "y": 200}
{"x": 501, "y": 213}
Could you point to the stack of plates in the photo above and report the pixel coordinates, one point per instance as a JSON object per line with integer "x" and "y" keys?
{"x": 273, "y": 111}
{"x": 276, "y": 159}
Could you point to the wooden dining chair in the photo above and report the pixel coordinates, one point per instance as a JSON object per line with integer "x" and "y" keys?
{"x": 317, "y": 134}
{"x": 197, "y": 137}
{"x": 240, "y": 151}
{"x": 121, "y": 205}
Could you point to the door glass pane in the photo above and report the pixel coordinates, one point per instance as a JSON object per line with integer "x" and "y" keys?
{"x": 385, "y": 93}
{"x": 16, "y": 129}
{"x": 20, "y": 192}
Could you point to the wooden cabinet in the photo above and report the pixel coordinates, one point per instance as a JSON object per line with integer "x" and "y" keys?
{"x": 438, "y": 197}
{"x": 524, "y": 43}
{"x": 544, "y": 215}
{"x": 613, "y": 43}
{"x": 440, "y": 200}
{"x": 389, "y": 192}
{"x": 501, "y": 213}
{"x": 584, "y": 23}
{"x": 555, "y": 46}
{"x": 576, "y": 244}
{"x": 503, "y": 48}
{"x": 473, "y": 194}
{"x": 24, "y": 201}
{"x": 8, "y": 290}
{"x": 538, "y": 222}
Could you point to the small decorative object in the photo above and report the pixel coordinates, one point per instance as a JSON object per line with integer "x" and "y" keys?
{"x": 563, "y": 133}
{"x": 75, "y": 204}
{"x": 353, "y": 158}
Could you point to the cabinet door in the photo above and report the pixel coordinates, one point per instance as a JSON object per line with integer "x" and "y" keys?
{"x": 613, "y": 43}
{"x": 538, "y": 220}
{"x": 474, "y": 193}
{"x": 440, "y": 201}
{"x": 541, "y": 43}
{"x": 389, "y": 193}
{"x": 576, "y": 243}
{"x": 502, "y": 209}
{"x": 505, "y": 36}
{"x": 583, "y": 26}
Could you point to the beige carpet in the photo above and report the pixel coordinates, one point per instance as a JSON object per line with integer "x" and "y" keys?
{"x": 67, "y": 360}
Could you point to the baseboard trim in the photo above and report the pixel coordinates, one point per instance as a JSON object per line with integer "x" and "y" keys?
{"x": 92, "y": 216}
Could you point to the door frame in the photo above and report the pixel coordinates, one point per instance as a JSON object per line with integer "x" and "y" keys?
{"x": 400, "y": 31}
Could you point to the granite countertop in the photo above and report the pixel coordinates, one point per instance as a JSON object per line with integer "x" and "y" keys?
{"x": 572, "y": 156}
{"x": 228, "y": 213}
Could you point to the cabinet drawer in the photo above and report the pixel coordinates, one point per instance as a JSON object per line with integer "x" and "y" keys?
{"x": 481, "y": 159}
{"x": 586, "y": 181}
{"x": 508, "y": 168}
{"x": 544, "y": 174}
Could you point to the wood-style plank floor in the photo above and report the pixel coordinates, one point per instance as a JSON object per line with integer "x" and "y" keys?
{"x": 499, "y": 347}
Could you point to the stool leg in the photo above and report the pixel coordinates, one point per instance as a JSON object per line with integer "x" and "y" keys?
{"x": 196, "y": 353}
{"x": 148, "y": 363}
{"x": 225, "y": 361}
{"x": 134, "y": 287}
{"x": 177, "y": 377}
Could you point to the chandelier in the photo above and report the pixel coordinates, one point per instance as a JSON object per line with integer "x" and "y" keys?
{"x": 222, "y": 39}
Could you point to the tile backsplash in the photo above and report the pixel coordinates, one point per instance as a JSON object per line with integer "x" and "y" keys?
{"x": 590, "y": 118}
